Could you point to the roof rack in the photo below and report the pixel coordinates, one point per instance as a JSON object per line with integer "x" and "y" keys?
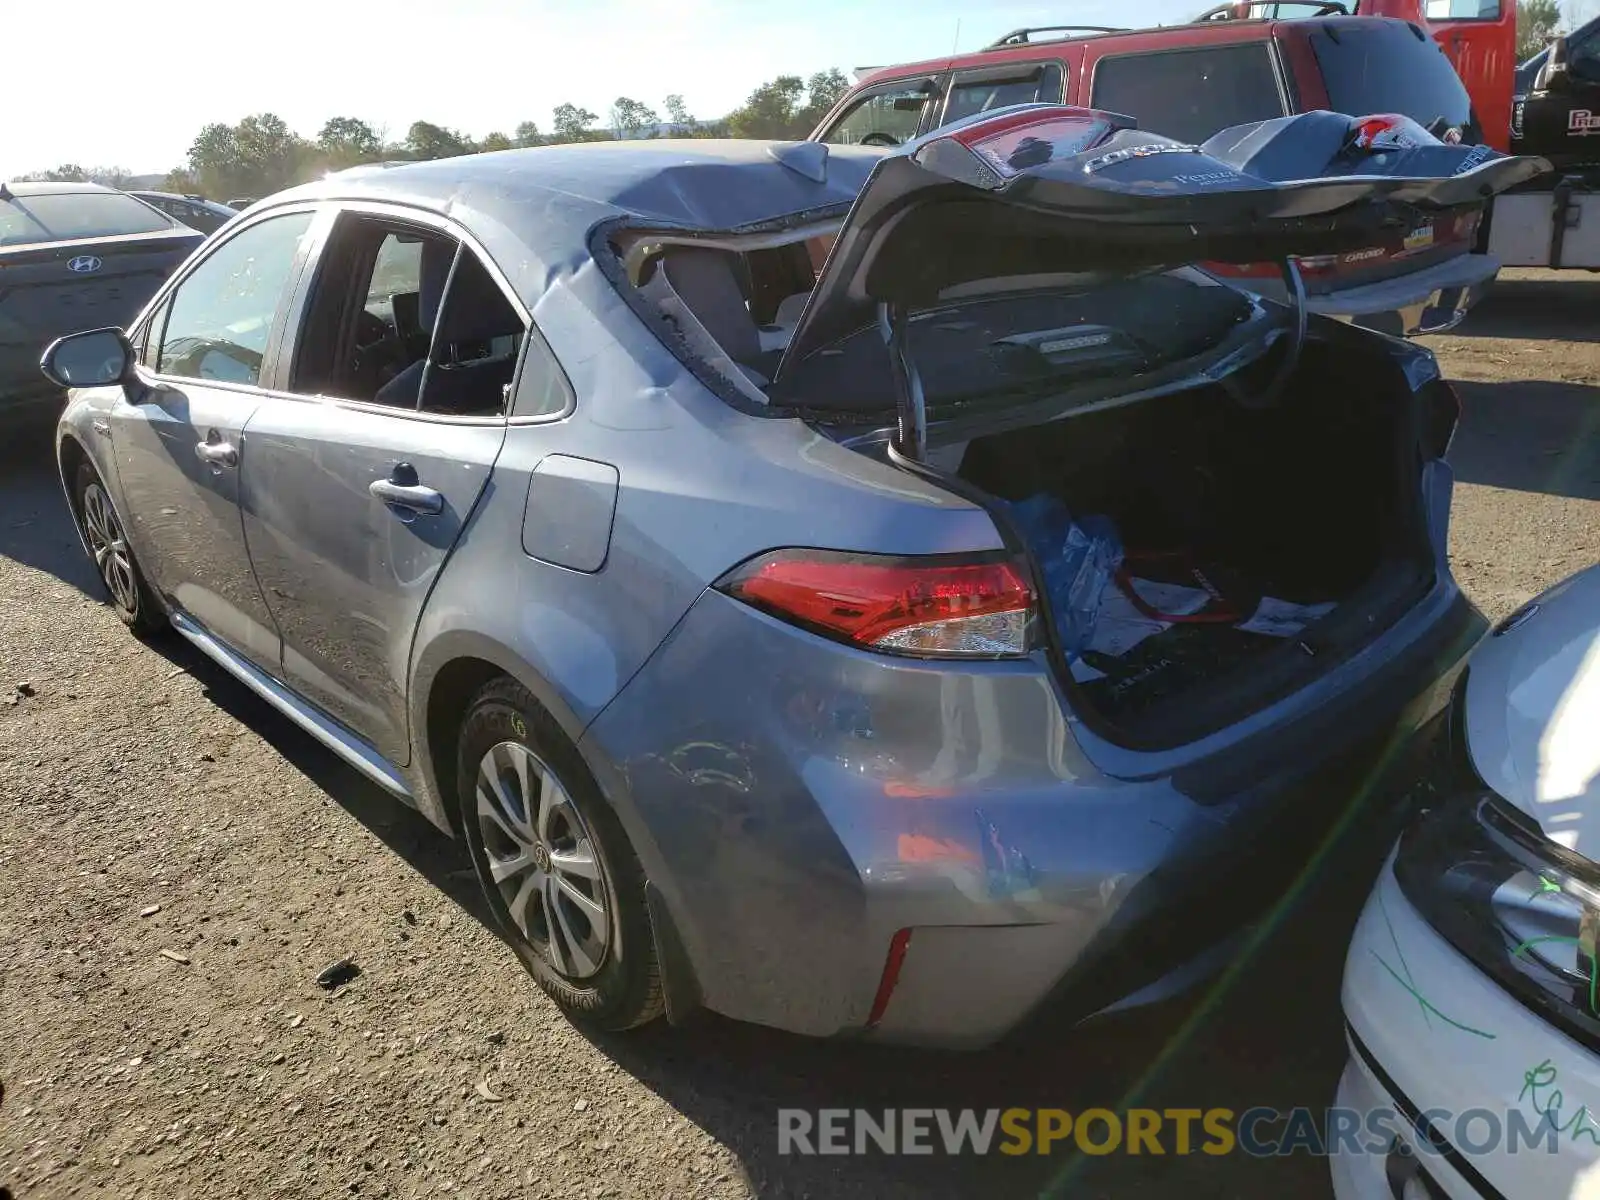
{"x": 1269, "y": 10}
{"x": 1023, "y": 37}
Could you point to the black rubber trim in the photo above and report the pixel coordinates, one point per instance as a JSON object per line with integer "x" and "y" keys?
{"x": 679, "y": 988}
{"x": 1426, "y": 1130}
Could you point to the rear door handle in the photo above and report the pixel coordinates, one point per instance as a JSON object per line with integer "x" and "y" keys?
{"x": 216, "y": 451}
{"x": 403, "y": 491}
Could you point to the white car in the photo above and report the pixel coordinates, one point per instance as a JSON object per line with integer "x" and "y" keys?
{"x": 1472, "y": 987}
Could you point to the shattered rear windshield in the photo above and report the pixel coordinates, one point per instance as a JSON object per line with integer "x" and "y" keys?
{"x": 68, "y": 216}
{"x": 998, "y": 347}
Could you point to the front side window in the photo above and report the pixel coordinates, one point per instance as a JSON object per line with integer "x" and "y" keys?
{"x": 986, "y": 90}
{"x": 884, "y": 116}
{"x": 407, "y": 317}
{"x": 219, "y": 319}
{"x": 1193, "y": 93}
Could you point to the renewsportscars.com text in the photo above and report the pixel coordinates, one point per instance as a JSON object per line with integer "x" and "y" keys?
{"x": 1258, "y": 1132}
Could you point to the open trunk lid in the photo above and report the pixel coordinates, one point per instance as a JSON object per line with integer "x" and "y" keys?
{"x": 1041, "y": 190}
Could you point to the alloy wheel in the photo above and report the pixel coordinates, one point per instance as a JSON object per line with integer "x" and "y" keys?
{"x": 542, "y": 860}
{"x": 109, "y": 547}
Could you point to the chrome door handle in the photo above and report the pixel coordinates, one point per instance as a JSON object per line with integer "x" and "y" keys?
{"x": 412, "y": 497}
{"x": 218, "y": 454}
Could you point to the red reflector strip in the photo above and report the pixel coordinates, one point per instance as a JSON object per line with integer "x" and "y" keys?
{"x": 898, "y": 945}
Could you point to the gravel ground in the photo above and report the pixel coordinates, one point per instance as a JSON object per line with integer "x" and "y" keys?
{"x": 177, "y": 864}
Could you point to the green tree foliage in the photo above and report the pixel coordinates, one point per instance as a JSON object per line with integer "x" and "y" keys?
{"x": 261, "y": 155}
{"x": 1538, "y": 21}
{"x": 630, "y": 118}
{"x": 73, "y": 173}
{"x": 426, "y": 140}
{"x": 180, "y": 180}
{"x": 65, "y": 173}
{"x": 823, "y": 91}
{"x": 573, "y": 124}
{"x": 771, "y": 110}
{"x": 678, "y": 111}
{"x": 788, "y": 106}
{"x": 256, "y": 157}
{"x": 347, "y": 142}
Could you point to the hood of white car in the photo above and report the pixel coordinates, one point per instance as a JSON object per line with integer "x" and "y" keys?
{"x": 1533, "y": 711}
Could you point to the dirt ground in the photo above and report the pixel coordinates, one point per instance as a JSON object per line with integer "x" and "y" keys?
{"x": 177, "y": 864}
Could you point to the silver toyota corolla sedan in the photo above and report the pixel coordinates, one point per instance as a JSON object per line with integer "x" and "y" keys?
{"x": 866, "y": 594}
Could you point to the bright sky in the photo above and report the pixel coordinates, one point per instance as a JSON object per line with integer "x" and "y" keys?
{"x": 136, "y": 93}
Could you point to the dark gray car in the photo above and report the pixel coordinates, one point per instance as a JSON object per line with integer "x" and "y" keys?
{"x": 72, "y": 256}
{"x": 194, "y": 211}
{"x": 991, "y": 623}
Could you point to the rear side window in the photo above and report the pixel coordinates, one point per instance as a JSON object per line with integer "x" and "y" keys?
{"x": 986, "y": 90}
{"x": 1191, "y": 94}
{"x": 65, "y": 216}
{"x": 1383, "y": 67}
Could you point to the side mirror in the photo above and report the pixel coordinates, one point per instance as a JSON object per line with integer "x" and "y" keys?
{"x": 94, "y": 358}
{"x": 1553, "y": 77}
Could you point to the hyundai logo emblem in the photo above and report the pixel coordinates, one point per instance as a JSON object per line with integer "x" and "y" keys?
{"x": 84, "y": 264}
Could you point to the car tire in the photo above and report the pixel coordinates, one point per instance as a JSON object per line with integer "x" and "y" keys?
{"x": 114, "y": 561}
{"x": 557, "y": 869}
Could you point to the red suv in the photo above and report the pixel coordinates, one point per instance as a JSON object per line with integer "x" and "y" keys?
{"x": 1226, "y": 68}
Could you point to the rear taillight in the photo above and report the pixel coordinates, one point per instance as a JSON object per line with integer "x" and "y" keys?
{"x": 936, "y": 607}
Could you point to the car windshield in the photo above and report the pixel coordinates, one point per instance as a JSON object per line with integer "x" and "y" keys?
{"x": 1382, "y": 67}
{"x": 67, "y": 216}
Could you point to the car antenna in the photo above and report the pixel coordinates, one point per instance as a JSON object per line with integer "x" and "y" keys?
{"x": 807, "y": 159}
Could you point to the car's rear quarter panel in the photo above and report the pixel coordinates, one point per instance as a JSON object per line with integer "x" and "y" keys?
{"x": 701, "y": 488}
{"x": 795, "y": 800}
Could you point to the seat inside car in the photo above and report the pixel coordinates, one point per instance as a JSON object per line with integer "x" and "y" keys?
{"x": 466, "y": 371}
{"x": 707, "y": 281}
{"x": 712, "y": 283}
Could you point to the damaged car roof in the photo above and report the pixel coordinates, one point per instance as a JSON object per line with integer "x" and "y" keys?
{"x": 546, "y": 200}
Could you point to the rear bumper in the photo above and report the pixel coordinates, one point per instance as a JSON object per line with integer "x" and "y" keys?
{"x": 797, "y": 803}
{"x": 1431, "y": 300}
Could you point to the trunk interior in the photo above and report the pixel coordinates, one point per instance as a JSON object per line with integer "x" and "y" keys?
{"x": 1283, "y": 538}
{"x": 1295, "y": 535}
